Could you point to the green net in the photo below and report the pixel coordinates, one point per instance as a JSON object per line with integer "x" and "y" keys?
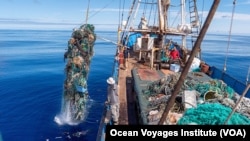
{"x": 214, "y": 85}
{"x": 212, "y": 114}
{"x": 79, "y": 54}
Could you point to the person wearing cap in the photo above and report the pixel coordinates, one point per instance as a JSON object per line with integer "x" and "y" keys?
{"x": 113, "y": 99}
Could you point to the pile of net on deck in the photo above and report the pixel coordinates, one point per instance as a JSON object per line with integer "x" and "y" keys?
{"x": 78, "y": 54}
{"x": 212, "y": 114}
{"x": 215, "y": 101}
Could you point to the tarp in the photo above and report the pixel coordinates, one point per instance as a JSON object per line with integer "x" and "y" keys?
{"x": 131, "y": 40}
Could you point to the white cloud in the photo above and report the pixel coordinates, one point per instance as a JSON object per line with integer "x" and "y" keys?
{"x": 35, "y": 24}
{"x": 236, "y": 16}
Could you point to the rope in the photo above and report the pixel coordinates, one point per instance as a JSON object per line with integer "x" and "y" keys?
{"x": 128, "y": 19}
{"x": 177, "y": 13}
{"x": 155, "y": 16}
{"x": 87, "y": 15}
{"x": 229, "y": 37}
{"x": 144, "y": 9}
{"x": 119, "y": 19}
{"x": 202, "y": 13}
{"x": 150, "y": 12}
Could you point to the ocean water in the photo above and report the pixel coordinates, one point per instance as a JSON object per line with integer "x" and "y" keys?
{"x": 32, "y": 75}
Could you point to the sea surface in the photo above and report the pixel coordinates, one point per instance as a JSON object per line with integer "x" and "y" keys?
{"x": 32, "y": 75}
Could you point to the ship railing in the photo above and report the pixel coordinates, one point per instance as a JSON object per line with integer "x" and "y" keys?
{"x": 235, "y": 84}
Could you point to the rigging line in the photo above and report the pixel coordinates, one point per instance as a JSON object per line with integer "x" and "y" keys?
{"x": 119, "y": 20}
{"x": 123, "y": 10}
{"x": 202, "y": 13}
{"x": 247, "y": 80}
{"x": 150, "y": 12}
{"x": 128, "y": 19}
{"x": 101, "y": 9}
{"x": 178, "y": 5}
{"x": 145, "y": 7}
{"x": 175, "y": 18}
{"x": 134, "y": 16}
{"x": 229, "y": 37}
{"x": 105, "y": 39}
{"x": 87, "y": 13}
{"x": 135, "y": 12}
{"x": 121, "y": 13}
{"x": 155, "y": 15}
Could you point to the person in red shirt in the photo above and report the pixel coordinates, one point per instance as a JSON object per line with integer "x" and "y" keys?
{"x": 174, "y": 54}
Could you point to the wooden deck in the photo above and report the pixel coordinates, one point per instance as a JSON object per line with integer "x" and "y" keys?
{"x": 128, "y": 115}
{"x": 126, "y": 95}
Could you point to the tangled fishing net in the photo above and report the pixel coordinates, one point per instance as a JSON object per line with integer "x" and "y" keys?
{"x": 213, "y": 101}
{"x": 79, "y": 53}
{"x": 212, "y": 114}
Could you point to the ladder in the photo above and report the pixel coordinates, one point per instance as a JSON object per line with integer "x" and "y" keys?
{"x": 195, "y": 23}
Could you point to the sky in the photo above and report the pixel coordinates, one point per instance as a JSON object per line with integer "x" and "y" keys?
{"x": 105, "y": 14}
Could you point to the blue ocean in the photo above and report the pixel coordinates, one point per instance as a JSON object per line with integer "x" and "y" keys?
{"x": 32, "y": 75}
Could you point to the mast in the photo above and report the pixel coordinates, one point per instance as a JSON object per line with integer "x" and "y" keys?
{"x": 184, "y": 38}
{"x": 162, "y": 9}
{"x": 161, "y": 18}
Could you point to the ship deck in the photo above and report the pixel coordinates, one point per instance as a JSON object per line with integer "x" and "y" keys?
{"x": 131, "y": 82}
{"x": 127, "y": 94}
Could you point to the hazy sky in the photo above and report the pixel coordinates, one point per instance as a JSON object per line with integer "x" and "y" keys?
{"x": 68, "y": 14}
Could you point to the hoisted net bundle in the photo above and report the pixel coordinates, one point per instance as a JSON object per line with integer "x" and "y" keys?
{"x": 78, "y": 54}
{"x": 212, "y": 114}
{"x": 89, "y": 28}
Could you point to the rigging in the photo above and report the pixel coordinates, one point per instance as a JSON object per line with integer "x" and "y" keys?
{"x": 229, "y": 37}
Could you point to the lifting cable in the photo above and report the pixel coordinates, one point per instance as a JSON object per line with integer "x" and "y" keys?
{"x": 87, "y": 15}
{"x": 229, "y": 37}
